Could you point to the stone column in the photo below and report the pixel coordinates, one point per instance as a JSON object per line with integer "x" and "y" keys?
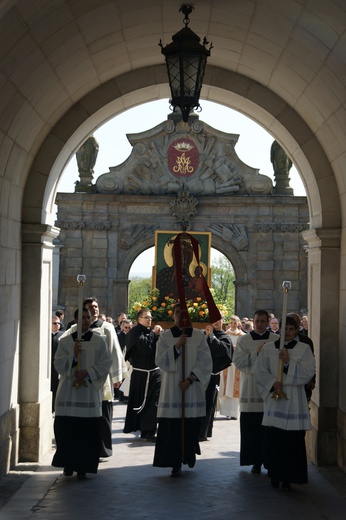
{"x": 120, "y": 295}
{"x": 323, "y": 303}
{"x": 35, "y": 397}
{"x": 55, "y": 275}
{"x": 242, "y": 300}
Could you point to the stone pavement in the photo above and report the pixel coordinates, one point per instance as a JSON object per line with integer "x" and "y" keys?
{"x": 128, "y": 486}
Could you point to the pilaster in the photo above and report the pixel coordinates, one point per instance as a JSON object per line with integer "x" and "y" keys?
{"x": 35, "y": 419}
{"x": 323, "y": 302}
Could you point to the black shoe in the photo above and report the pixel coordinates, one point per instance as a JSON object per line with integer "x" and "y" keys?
{"x": 274, "y": 483}
{"x": 256, "y": 469}
{"x": 192, "y": 462}
{"x": 286, "y": 486}
{"x": 68, "y": 472}
{"x": 81, "y": 475}
{"x": 148, "y": 435}
{"x": 202, "y": 439}
{"x": 151, "y": 439}
{"x": 176, "y": 471}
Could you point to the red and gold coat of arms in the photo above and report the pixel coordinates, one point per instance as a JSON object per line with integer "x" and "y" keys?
{"x": 182, "y": 157}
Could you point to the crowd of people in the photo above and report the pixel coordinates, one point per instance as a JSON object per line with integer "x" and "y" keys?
{"x": 174, "y": 381}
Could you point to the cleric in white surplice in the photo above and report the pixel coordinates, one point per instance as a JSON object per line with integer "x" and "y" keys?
{"x": 198, "y": 368}
{"x": 286, "y": 420}
{"x": 78, "y": 408}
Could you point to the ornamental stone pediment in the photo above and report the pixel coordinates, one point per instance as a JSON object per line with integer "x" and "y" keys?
{"x": 192, "y": 156}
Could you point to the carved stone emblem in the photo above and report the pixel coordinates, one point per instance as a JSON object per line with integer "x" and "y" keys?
{"x": 183, "y": 207}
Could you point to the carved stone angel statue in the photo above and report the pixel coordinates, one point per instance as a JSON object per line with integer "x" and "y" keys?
{"x": 86, "y": 157}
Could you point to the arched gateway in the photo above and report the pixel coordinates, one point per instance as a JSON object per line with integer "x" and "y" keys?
{"x": 184, "y": 174}
{"x": 67, "y": 67}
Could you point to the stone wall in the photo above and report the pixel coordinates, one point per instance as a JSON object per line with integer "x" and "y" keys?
{"x": 101, "y": 235}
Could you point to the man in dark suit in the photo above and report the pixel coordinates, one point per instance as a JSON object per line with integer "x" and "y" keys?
{"x": 54, "y": 376}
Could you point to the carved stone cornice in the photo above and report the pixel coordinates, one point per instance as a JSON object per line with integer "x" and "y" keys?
{"x": 83, "y": 224}
{"x": 285, "y": 227}
{"x": 39, "y": 234}
{"x": 323, "y": 238}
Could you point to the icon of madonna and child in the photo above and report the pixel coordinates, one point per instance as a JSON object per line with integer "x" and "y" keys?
{"x": 165, "y": 267}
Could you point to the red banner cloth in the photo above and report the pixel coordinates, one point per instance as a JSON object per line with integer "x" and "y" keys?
{"x": 214, "y": 312}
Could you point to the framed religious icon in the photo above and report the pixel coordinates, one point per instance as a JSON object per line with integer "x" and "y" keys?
{"x": 164, "y": 272}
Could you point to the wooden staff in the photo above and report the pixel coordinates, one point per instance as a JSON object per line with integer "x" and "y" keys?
{"x": 183, "y": 401}
{"x": 183, "y": 394}
{"x": 286, "y": 286}
{"x": 182, "y": 252}
{"x": 81, "y": 280}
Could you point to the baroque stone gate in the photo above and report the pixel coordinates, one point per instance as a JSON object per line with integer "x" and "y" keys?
{"x": 183, "y": 174}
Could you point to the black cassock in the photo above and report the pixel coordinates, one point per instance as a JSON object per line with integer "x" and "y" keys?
{"x": 141, "y": 413}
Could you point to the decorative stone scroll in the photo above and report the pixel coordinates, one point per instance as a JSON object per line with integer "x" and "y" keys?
{"x": 234, "y": 234}
{"x": 130, "y": 235}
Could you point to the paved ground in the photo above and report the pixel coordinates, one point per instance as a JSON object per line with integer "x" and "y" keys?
{"x": 128, "y": 486}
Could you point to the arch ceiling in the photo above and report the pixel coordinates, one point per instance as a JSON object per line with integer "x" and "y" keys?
{"x": 63, "y": 63}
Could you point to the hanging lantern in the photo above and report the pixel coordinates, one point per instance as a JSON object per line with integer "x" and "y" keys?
{"x": 186, "y": 59}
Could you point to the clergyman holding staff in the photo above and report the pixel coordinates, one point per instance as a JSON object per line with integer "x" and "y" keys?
{"x": 286, "y": 418}
{"x": 83, "y": 366}
{"x": 171, "y": 434}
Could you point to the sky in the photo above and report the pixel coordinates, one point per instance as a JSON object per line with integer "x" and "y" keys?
{"x": 253, "y": 148}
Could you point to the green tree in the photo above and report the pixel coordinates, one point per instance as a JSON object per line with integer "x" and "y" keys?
{"x": 138, "y": 289}
{"x": 222, "y": 276}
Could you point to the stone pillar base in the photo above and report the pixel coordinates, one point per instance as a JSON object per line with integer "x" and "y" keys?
{"x": 36, "y": 430}
{"x": 341, "y": 440}
{"x": 84, "y": 188}
{"x": 8, "y": 440}
{"x": 321, "y": 440}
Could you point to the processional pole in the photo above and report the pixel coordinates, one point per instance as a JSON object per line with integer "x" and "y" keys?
{"x": 182, "y": 255}
{"x": 81, "y": 278}
{"x": 184, "y": 247}
{"x": 286, "y": 286}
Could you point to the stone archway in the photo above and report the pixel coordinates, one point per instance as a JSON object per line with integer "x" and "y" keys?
{"x": 67, "y": 66}
{"x": 266, "y": 108}
{"x": 231, "y": 89}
